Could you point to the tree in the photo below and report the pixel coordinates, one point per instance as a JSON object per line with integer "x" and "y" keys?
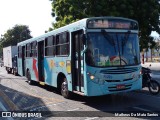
{"x": 17, "y": 34}
{"x": 146, "y": 12}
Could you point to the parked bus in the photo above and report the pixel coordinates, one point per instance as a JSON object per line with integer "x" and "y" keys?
{"x": 91, "y": 57}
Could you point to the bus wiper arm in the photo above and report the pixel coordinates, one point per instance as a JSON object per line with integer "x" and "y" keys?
{"x": 125, "y": 39}
{"x": 108, "y": 38}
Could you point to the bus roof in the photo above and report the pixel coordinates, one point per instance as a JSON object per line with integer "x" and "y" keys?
{"x": 80, "y": 24}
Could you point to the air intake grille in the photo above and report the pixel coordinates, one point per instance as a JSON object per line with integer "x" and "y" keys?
{"x": 119, "y": 70}
{"x": 119, "y": 80}
{"x": 119, "y": 89}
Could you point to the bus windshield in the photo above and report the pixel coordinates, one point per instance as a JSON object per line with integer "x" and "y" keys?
{"x": 112, "y": 49}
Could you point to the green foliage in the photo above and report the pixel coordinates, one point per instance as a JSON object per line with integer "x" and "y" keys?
{"x": 146, "y": 12}
{"x": 17, "y": 34}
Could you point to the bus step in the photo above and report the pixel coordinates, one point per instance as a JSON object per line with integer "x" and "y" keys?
{"x": 42, "y": 83}
{"x": 80, "y": 93}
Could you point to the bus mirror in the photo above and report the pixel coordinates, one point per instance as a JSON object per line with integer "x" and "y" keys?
{"x": 82, "y": 52}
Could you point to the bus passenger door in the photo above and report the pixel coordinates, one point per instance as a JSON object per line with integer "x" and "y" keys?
{"x": 77, "y": 61}
{"x": 41, "y": 61}
{"x": 23, "y": 60}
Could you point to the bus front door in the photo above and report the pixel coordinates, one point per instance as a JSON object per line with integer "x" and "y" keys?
{"x": 77, "y": 61}
{"x": 41, "y": 61}
{"x": 23, "y": 60}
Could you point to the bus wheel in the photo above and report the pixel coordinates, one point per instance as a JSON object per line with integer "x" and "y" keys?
{"x": 15, "y": 73}
{"x": 29, "y": 78}
{"x": 64, "y": 89}
{"x": 9, "y": 71}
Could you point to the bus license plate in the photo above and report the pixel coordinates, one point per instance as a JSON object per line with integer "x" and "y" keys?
{"x": 120, "y": 86}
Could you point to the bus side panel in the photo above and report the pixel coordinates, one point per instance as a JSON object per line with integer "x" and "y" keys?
{"x": 20, "y": 70}
{"x": 61, "y": 67}
{"x": 31, "y": 64}
{"x": 54, "y": 66}
{"x": 49, "y": 72}
{"x": 34, "y": 67}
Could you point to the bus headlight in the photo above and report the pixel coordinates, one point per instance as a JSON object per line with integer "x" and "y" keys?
{"x": 92, "y": 77}
{"x": 95, "y": 79}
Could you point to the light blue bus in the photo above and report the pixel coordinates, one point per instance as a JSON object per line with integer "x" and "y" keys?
{"x": 91, "y": 57}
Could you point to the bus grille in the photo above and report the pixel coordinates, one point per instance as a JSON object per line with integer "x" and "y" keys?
{"x": 119, "y": 89}
{"x": 119, "y": 80}
{"x": 119, "y": 70}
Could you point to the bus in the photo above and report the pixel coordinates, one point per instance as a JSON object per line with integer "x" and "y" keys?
{"x": 91, "y": 57}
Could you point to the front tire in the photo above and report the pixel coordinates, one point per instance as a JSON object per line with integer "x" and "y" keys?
{"x": 64, "y": 89}
{"x": 154, "y": 87}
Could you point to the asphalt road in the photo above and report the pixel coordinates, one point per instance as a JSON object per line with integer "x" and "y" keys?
{"x": 17, "y": 95}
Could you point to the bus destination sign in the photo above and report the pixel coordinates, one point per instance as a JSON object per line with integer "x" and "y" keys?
{"x": 112, "y": 24}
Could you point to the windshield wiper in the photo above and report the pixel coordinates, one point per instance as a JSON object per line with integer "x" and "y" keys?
{"x": 108, "y": 38}
{"x": 125, "y": 39}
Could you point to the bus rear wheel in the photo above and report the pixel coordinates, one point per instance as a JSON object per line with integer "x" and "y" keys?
{"x": 15, "y": 73}
{"x": 9, "y": 70}
{"x": 64, "y": 89}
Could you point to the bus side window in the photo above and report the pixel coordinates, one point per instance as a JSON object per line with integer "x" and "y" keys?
{"x": 28, "y": 50}
{"x": 34, "y": 49}
{"x": 50, "y": 46}
{"x": 62, "y": 43}
{"x": 19, "y": 51}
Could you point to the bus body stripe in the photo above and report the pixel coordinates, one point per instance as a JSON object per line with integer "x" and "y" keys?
{"x": 35, "y": 68}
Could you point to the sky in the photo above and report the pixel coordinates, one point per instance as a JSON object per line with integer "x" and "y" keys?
{"x": 155, "y": 34}
{"x": 36, "y": 14}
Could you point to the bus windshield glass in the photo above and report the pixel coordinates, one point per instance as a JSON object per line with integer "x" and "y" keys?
{"x": 112, "y": 49}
